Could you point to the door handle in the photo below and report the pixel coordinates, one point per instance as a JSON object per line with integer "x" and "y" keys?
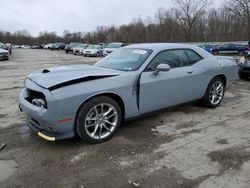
{"x": 190, "y": 72}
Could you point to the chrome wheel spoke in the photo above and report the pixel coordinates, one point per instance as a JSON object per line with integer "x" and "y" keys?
{"x": 91, "y": 119}
{"x": 108, "y": 111}
{"x": 100, "y": 131}
{"x": 110, "y": 116}
{"x": 105, "y": 127}
{"x": 94, "y": 132}
{"x": 110, "y": 123}
{"x": 102, "y": 109}
{"x": 90, "y": 125}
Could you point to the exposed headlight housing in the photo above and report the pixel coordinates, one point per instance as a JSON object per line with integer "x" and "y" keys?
{"x": 39, "y": 103}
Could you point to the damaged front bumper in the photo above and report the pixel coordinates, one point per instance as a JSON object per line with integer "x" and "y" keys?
{"x": 51, "y": 124}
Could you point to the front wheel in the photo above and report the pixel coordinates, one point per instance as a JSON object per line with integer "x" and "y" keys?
{"x": 98, "y": 120}
{"x": 214, "y": 93}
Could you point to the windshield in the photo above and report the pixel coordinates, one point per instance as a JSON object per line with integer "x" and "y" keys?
{"x": 93, "y": 47}
{"x": 73, "y": 44}
{"x": 125, "y": 59}
{"x": 114, "y": 45}
{"x": 81, "y": 45}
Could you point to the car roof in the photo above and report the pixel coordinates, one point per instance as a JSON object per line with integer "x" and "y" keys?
{"x": 157, "y": 47}
{"x": 161, "y": 46}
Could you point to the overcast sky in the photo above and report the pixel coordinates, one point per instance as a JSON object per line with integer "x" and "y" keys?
{"x": 75, "y": 15}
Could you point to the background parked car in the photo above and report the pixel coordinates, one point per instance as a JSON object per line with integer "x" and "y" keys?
{"x": 48, "y": 46}
{"x": 58, "y": 46}
{"x": 103, "y": 44}
{"x": 208, "y": 47}
{"x": 26, "y": 46}
{"x": 93, "y": 50}
{"x": 4, "y": 54}
{"x": 6, "y": 47}
{"x": 78, "y": 49}
{"x": 35, "y": 47}
{"x": 112, "y": 47}
{"x": 69, "y": 47}
{"x": 230, "y": 49}
{"x": 244, "y": 68}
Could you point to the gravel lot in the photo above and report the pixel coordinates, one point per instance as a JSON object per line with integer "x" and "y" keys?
{"x": 187, "y": 146}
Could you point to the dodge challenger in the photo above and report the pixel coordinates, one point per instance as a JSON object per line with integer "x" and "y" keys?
{"x": 92, "y": 101}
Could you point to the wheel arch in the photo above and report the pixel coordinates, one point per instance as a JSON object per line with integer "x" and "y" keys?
{"x": 223, "y": 77}
{"x": 117, "y": 98}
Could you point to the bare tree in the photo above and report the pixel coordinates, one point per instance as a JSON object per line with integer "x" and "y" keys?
{"x": 241, "y": 9}
{"x": 187, "y": 13}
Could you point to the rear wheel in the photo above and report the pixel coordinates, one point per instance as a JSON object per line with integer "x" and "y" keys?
{"x": 215, "y": 52}
{"x": 98, "y": 120}
{"x": 214, "y": 93}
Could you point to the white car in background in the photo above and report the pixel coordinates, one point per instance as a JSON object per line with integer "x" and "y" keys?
{"x": 4, "y": 54}
{"x": 78, "y": 50}
{"x": 48, "y": 46}
{"x": 93, "y": 50}
{"x": 112, "y": 47}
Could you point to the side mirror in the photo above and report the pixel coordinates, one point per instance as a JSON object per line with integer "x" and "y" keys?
{"x": 161, "y": 67}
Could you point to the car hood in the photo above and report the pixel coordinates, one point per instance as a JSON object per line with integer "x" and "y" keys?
{"x": 3, "y": 51}
{"x": 57, "y": 77}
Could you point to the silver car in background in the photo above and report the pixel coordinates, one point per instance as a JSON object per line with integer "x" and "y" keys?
{"x": 92, "y": 101}
{"x": 78, "y": 49}
{"x": 93, "y": 51}
{"x": 112, "y": 47}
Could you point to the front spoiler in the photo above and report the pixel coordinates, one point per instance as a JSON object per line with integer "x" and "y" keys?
{"x": 46, "y": 134}
{"x": 48, "y": 138}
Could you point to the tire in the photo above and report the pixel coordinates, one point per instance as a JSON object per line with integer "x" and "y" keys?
{"x": 92, "y": 125}
{"x": 213, "y": 96}
{"x": 215, "y": 52}
{"x": 66, "y": 52}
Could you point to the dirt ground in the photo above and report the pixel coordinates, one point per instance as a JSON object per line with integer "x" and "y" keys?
{"x": 188, "y": 146}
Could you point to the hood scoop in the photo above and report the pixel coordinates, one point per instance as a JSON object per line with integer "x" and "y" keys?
{"x": 45, "y": 71}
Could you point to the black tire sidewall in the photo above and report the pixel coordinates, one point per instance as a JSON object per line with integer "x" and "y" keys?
{"x": 84, "y": 110}
{"x": 206, "y": 99}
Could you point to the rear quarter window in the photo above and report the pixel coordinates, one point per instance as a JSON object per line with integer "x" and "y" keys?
{"x": 193, "y": 56}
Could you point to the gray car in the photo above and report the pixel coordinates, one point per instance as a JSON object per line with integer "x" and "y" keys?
{"x": 4, "y": 54}
{"x": 93, "y": 51}
{"x": 92, "y": 101}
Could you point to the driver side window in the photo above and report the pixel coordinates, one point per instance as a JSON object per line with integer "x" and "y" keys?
{"x": 174, "y": 58}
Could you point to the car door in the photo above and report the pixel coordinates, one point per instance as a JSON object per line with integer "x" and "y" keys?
{"x": 167, "y": 88}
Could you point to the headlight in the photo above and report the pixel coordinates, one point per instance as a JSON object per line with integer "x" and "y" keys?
{"x": 39, "y": 103}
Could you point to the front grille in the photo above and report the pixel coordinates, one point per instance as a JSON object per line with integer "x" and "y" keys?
{"x": 5, "y": 54}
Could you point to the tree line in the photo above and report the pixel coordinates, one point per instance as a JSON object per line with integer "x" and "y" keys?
{"x": 187, "y": 21}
